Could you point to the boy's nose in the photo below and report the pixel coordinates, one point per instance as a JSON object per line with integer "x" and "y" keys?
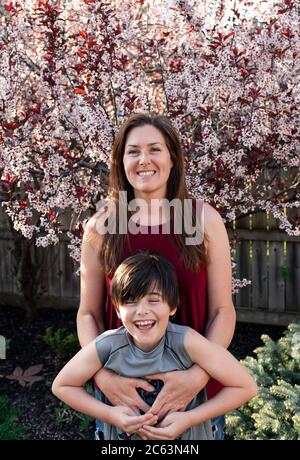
{"x": 142, "y": 309}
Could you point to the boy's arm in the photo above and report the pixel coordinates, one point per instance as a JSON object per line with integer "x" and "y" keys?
{"x": 219, "y": 364}
{"x": 68, "y": 386}
{"x": 222, "y": 366}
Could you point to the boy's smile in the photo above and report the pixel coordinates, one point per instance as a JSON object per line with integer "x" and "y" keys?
{"x": 146, "y": 319}
{"x": 145, "y": 325}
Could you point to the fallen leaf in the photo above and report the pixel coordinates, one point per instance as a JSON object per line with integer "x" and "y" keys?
{"x": 33, "y": 370}
{"x": 28, "y": 376}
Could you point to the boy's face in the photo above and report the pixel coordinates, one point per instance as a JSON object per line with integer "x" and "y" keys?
{"x": 146, "y": 319}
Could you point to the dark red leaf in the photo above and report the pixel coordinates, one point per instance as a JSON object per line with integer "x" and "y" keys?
{"x": 8, "y": 7}
{"x": 244, "y": 72}
{"x": 22, "y": 204}
{"x": 79, "y": 90}
{"x": 12, "y": 126}
{"x": 81, "y": 53}
{"x": 83, "y": 34}
{"x": 52, "y": 215}
{"x": 229, "y": 35}
{"x": 286, "y": 33}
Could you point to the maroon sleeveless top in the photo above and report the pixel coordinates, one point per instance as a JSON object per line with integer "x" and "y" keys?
{"x": 192, "y": 285}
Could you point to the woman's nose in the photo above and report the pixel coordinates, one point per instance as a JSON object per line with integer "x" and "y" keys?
{"x": 144, "y": 159}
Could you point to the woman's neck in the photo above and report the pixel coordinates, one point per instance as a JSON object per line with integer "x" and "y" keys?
{"x": 150, "y": 211}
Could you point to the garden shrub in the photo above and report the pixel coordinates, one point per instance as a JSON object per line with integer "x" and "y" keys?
{"x": 63, "y": 344}
{"x": 10, "y": 428}
{"x": 275, "y": 412}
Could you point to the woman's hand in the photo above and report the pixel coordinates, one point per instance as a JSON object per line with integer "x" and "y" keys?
{"x": 180, "y": 388}
{"x": 126, "y": 419}
{"x": 121, "y": 391}
{"x": 172, "y": 426}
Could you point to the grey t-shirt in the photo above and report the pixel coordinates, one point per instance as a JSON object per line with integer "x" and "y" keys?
{"x": 118, "y": 353}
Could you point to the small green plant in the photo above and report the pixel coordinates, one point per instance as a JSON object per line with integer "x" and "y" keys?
{"x": 285, "y": 273}
{"x": 274, "y": 413}
{"x": 63, "y": 344}
{"x": 10, "y": 428}
{"x": 64, "y": 414}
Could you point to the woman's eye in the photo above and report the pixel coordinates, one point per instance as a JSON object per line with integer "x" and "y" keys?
{"x": 134, "y": 152}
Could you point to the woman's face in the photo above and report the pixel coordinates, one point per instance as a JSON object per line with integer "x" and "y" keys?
{"x": 147, "y": 162}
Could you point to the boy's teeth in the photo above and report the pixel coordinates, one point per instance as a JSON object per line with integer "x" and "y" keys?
{"x": 144, "y": 323}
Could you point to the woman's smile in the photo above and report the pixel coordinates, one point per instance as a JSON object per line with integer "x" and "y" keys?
{"x": 146, "y": 173}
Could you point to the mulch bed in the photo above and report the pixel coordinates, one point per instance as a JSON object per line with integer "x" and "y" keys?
{"x": 35, "y": 402}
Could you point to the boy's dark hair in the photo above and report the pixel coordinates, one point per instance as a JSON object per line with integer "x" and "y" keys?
{"x": 142, "y": 273}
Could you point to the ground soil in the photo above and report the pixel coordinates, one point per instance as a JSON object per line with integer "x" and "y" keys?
{"x": 35, "y": 402}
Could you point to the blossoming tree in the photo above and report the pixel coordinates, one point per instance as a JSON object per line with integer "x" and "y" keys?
{"x": 225, "y": 72}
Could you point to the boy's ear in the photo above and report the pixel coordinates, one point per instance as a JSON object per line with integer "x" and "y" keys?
{"x": 173, "y": 312}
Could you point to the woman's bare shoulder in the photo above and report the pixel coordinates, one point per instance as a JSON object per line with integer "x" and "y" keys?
{"x": 95, "y": 224}
{"x": 95, "y": 229}
{"x": 211, "y": 215}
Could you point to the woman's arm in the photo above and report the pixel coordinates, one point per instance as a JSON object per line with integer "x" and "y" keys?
{"x": 68, "y": 386}
{"x": 221, "y": 316}
{"x": 92, "y": 286}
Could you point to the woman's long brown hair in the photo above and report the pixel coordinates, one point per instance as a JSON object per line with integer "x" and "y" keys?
{"x": 112, "y": 244}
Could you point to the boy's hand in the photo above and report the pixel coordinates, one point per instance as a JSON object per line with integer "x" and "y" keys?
{"x": 172, "y": 426}
{"x": 126, "y": 419}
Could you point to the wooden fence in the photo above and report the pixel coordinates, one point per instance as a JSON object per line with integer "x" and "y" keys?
{"x": 59, "y": 283}
{"x": 263, "y": 254}
{"x": 269, "y": 258}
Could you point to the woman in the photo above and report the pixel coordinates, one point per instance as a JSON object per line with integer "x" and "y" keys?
{"x": 147, "y": 163}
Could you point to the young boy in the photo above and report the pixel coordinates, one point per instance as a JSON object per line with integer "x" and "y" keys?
{"x": 144, "y": 291}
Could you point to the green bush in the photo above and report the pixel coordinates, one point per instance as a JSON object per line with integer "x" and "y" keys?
{"x": 275, "y": 412}
{"x": 10, "y": 428}
{"x": 63, "y": 345}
